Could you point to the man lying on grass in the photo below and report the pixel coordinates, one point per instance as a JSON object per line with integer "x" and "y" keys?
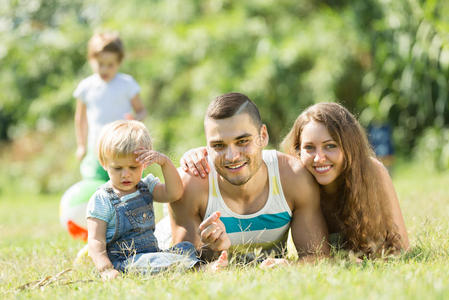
{"x": 252, "y": 197}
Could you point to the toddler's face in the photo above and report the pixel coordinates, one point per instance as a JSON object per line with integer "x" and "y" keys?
{"x": 106, "y": 64}
{"x": 125, "y": 173}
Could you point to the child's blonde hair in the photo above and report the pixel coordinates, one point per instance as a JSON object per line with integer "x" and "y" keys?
{"x": 105, "y": 42}
{"x": 122, "y": 138}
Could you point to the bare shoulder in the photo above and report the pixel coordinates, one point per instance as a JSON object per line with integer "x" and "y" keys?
{"x": 385, "y": 183}
{"x": 298, "y": 184}
{"x": 391, "y": 198}
{"x": 193, "y": 183}
{"x": 292, "y": 170}
{"x": 380, "y": 169}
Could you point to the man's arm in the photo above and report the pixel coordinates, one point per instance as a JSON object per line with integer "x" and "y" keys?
{"x": 308, "y": 227}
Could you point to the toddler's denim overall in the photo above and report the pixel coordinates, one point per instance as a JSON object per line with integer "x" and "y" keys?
{"x": 134, "y": 246}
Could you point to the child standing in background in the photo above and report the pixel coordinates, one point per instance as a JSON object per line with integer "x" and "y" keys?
{"x": 120, "y": 216}
{"x": 102, "y": 98}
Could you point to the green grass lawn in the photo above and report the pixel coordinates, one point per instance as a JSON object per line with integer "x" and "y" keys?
{"x": 33, "y": 245}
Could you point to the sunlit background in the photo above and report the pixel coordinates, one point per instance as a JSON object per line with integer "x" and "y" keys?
{"x": 385, "y": 60}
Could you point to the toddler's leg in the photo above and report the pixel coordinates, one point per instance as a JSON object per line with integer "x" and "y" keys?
{"x": 181, "y": 256}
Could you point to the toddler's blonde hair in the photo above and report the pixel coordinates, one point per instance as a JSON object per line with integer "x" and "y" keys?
{"x": 122, "y": 138}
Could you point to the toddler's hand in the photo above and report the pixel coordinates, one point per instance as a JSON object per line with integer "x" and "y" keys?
{"x": 109, "y": 274}
{"x": 129, "y": 117}
{"x": 80, "y": 152}
{"x": 149, "y": 157}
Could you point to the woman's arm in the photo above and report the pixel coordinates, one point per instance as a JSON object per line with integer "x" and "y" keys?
{"x": 398, "y": 219}
{"x": 96, "y": 242}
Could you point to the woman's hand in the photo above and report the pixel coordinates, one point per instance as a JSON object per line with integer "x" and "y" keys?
{"x": 195, "y": 161}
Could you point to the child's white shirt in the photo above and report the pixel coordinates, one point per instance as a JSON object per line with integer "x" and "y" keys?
{"x": 105, "y": 101}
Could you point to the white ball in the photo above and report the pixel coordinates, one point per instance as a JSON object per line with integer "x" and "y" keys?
{"x": 72, "y": 209}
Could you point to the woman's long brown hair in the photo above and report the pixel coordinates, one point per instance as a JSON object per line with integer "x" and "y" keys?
{"x": 362, "y": 209}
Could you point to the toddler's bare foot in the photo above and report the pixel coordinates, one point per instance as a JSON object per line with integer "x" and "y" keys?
{"x": 82, "y": 256}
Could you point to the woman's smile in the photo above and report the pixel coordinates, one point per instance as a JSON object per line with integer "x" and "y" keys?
{"x": 320, "y": 153}
{"x": 322, "y": 169}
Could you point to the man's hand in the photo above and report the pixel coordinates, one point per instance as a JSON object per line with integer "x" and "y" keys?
{"x": 213, "y": 233}
{"x": 129, "y": 116}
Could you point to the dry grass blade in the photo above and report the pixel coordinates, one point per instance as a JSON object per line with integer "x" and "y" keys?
{"x": 47, "y": 280}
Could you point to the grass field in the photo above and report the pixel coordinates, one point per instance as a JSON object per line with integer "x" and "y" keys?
{"x": 33, "y": 245}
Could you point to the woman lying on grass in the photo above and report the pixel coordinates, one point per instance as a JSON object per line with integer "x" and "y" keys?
{"x": 358, "y": 199}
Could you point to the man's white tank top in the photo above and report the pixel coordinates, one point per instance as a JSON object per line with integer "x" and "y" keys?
{"x": 266, "y": 229}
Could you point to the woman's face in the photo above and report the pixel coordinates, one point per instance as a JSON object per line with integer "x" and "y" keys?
{"x": 320, "y": 154}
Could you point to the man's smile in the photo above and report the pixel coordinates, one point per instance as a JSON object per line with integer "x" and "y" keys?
{"x": 235, "y": 166}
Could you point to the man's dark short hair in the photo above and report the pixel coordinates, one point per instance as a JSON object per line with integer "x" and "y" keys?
{"x": 231, "y": 104}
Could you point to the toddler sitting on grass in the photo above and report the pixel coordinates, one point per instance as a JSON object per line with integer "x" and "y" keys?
{"x": 120, "y": 216}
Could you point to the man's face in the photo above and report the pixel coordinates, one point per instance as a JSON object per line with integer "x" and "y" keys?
{"x": 235, "y": 146}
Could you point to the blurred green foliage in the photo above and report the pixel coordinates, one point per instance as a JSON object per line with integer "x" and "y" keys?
{"x": 407, "y": 81}
{"x": 385, "y": 60}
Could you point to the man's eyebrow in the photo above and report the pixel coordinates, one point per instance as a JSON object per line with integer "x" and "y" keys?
{"x": 215, "y": 141}
{"x": 245, "y": 135}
